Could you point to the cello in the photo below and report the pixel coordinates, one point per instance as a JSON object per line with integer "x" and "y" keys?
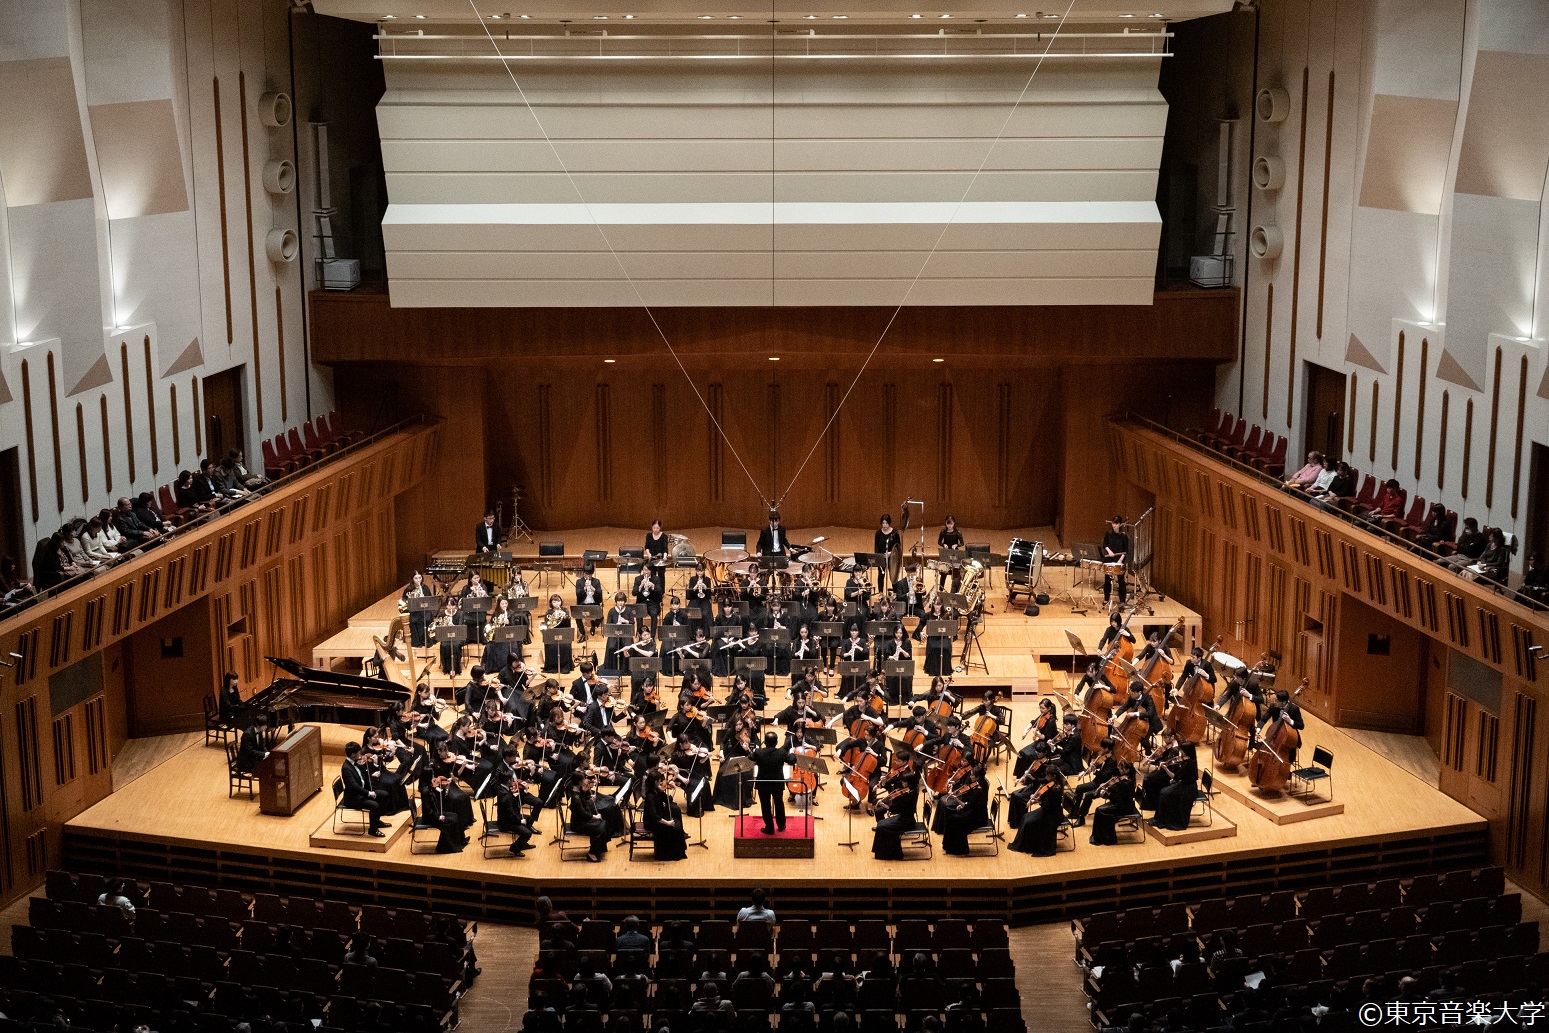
{"x": 1232, "y": 744}
{"x": 943, "y": 766}
{"x": 1157, "y": 670}
{"x": 1269, "y": 769}
{"x": 799, "y": 781}
{"x": 1186, "y": 717}
{"x": 986, "y": 729}
{"x": 861, "y": 763}
{"x": 1129, "y": 731}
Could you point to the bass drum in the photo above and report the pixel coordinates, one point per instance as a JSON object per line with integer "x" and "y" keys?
{"x": 1019, "y": 557}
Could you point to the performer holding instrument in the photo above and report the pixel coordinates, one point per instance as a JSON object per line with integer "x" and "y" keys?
{"x": 889, "y": 549}
{"x": 1115, "y": 550}
{"x": 949, "y": 537}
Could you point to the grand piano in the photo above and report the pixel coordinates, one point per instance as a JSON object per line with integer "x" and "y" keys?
{"x": 309, "y": 694}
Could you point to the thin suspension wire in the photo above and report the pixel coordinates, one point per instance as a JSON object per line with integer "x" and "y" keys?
{"x": 612, "y": 251}
{"x": 921, "y": 271}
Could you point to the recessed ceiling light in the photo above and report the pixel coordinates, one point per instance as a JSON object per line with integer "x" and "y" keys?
{"x": 599, "y": 17}
{"x": 496, "y": 17}
{"x": 610, "y": 361}
{"x": 1159, "y": 14}
{"x": 706, "y": 17}
{"x": 938, "y": 360}
{"x": 1126, "y": 15}
{"x": 1022, "y": 16}
{"x": 629, "y": 17}
{"x": 735, "y": 17}
{"x": 946, "y": 16}
{"x": 524, "y": 17}
{"x": 420, "y": 16}
{"x": 841, "y": 17}
{"x": 809, "y": 17}
{"x": 774, "y": 358}
{"x": 917, "y": 16}
{"x": 1050, "y": 17}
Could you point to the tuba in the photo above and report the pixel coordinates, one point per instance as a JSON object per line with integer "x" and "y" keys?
{"x": 973, "y": 584}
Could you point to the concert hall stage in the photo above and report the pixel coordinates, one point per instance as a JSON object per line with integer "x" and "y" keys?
{"x": 173, "y": 823}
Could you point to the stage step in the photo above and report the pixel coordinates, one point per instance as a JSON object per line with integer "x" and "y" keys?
{"x": 1221, "y": 828}
{"x": 325, "y": 838}
{"x": 1283, "y": 809}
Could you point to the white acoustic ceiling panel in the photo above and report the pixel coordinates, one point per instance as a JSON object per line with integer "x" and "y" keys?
{"x": 862, "y": 182}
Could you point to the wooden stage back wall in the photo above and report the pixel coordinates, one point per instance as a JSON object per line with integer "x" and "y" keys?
{"x": 1005, "y": 431}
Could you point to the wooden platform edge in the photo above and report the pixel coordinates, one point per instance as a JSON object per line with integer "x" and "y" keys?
{"x": 1240, "y": 791}
{"x": 324, "y": 838}
{"x": 1221, "y": 828}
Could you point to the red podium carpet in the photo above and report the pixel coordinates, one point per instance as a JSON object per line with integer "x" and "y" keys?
{"x": 752, "y": 826}
{"x": 794, "y": 841}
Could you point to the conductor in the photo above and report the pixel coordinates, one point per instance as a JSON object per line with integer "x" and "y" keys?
{"x": 769, "y": 771}
{"x": 772, "y": 540}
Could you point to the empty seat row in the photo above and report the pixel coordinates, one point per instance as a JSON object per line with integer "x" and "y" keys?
{"x": 911, "y": 936}
{"x": 294, "y": 449}
{"x": 1003, "y": 1020}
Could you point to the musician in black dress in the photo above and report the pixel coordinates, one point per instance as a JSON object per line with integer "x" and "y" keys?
{"x": 451, "y": 652}
{"x": 557, "y": 656}
{"x": 1114, "y": 631}
{"x": 778, "y": 655}
{"x": 771, "y": 539}
{"x": 895, "y": 815}
{"x": 963, "y": 808}
{"x": 938, "y": 648}
{"x": 658, "y": 546}
{"x": 889, "y": 549}
{"x": 586, "y": 819}
{"x": 1119, "y": 793}
{"x": 1040, "y": 829}
{"x": 613, "y": 662}
{"x": 1176, "y": 801}
{"x": 700, "y": 595}
{"x": 853, "y": 650}
{"x": 648, "y": 596}
{"x": 588, "y": 592}
{"x": 419, "y": 620}
{"x": 486, "y": 536}
{"x": 664, "y": 819}
{"x": 496, "y": 654}
{"x": 475, "y": 589}
{"x": 804, "y": 646}
{"x": 896, "y": 650}
{"x": 950, "y": 537}
{"x": 1115, "y": 549}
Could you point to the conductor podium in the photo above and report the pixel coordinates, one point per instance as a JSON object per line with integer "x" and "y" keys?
{"x": 795, "y": 840}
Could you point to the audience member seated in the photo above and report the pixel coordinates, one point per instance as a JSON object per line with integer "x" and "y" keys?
{"x": 189, "y": 496}
{"x": 13, "y": 587}
{"x": 1470, "y": 546}
{"x": 96, "y": 543}
{"x": 1535, "y": 581}
{"x": 1326, "y": 473}
{"x": 1303, "y": 478}
{"x": 234, "y": 466}
{"x": 1434, "y": 530}
{"x": 48, "y": 568}
{"x": 74, "y": 549}
{"x": 208, "y": 479}
{"x": 756, "y": 911}
{"x": 630, "y": 937}
{"x": 1389, "y": 504}
{"x": 1494, "y": 563}
{"x": 135, "y": 531}
{"x": 1339, "y": 491}
{"x": 146, "y": 511}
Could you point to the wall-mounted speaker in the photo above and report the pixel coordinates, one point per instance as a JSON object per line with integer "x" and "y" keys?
{"x": 282, "y": 245}
{"x": 1266, "y": 242}
{"x": 1273, "y": 104}
{"x": 279, "y": 176}
{"x": 1268, "y": 172}
{"x": 274, "y": 109}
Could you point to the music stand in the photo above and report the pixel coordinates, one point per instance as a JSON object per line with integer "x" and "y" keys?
{"x": 426, "y": 604}
{"x": 804, "y": 668}
{"x": 526, "y": 603}
{"x": 828, "y": 629}
{"x": 881, "y": 629}
{"x": 639, "y": 666}
{"x": 453, "y": 633}
{"x": 853, "y": 668}
{"x": 775, "y": 639}
{"x": 899, "y": 669}
{"x": 956, "y": 600}
{"x": 479, "y": 606}
{"x": 670, "y": 637}
{"x": 690, "y": 666}
{"x": 623, "y": 631}
{"x": 557, "y": 637}
{"x": 739, "y": 766}
{"x": 941, "y": 629}
{"x": 510, "y": 633}
{"x": 592, "y": 613}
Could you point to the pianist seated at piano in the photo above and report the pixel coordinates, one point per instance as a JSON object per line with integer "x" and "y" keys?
{"x": 253, "y": 747}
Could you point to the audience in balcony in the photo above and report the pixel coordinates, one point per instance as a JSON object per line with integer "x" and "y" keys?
{"x": 1435, "y": 529}
{"x": 1325, "y": 477}
{"x": 1339, "y": 491}
{"x": 209, "y": 479}
{"x": 1304, "y": 477}
{"x": 134, "y": 531}
{"x": 96, "y": 541}
{"x": 1495, "y": 562}
{"x": 234, "y": 466}
{"x": 13, "y": 587}
{"x": 1535, "y": 582}
{"x": 190, "y": 497}
{"x": 1470, "y": 546}
{"x": 150, "y": 514}
{"x": 75, "y": 554}
{"x": 1388, "y": 505}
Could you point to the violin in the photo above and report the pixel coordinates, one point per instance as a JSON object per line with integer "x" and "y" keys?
{"x": 962, "y": 781}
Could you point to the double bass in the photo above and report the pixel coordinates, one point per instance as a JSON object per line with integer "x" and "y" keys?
{"x": 1269, "y": 769}
{"x": 1115, "y": 662}
{"x": 1232, "y": 744}
{"x": 1157, "y": 670}
{"x": 1186, "y": 717}
{"x": 1096, "y": 706}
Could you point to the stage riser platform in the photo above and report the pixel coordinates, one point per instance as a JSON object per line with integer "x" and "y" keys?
{"x": 1026, "y": 901}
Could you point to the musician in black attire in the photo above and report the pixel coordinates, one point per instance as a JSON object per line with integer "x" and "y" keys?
{"x": 938, "y": 648}
{"x": 253, "y": 747}
{"x": 664, "y": 820}
{"x": 1068, "y": 745}
{"x": 588, "y": 592}
{"x": 908, "y": 602}
{"x": 418, "y": 619}
{"x": 1115, "y": 630}
{"x": 1115, "y": 549}
{"x": 964, "y": 808}
{"x": 451, "y": 652}
{"x": 1177, "y": 800}
{"x": 857, "y": 590}
{"x": 1039, "y": 832}
{"x": 1119, "y": 793}
{"x": 486, "y": 537}
{"x": 657, "y": 546}
{"x": 612, "y": 661}
{"x": 585, "y": 819}
{"x": 475, "y": 589}
{"x": 1138, "y": 701}
{"x": 599, "y": 716}
{"x": 1288, "y": 707}
{"x": 853, "y": 650}
{"x": 769, "y": 769}
{"x": 358, "y": 792}
{"x": 895, "y": 815}
{"x": 889, "y": 549}
{"x": 700, "y": 594}
{"x": 1028, "y": 781}
{"x": 772, "y": 540}
{"x": 648, "y": 594}
{"x": 950, "y": 538}
{"x": 800, "y": 709}
{"x": 1197, "y": 660}
{"x": 509, "y": 784}
{"x": 1107, "y": 767}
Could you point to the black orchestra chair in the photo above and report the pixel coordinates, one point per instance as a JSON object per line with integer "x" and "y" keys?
{"x": 734, "y": 539}
{"x": 1306, "y": 778}
{"x": 639, "y": 839}
{"x": 238, "y": 781}
{"x": 918, "y": 836}
{"x": 563, "y": 832}
{"x": 992, "y": 832}
{"x": 493, "y": 835}
{"x": 347, "y": 819}
{"x": 1135, "y": 823}
{"x": 1204, "y": 800}
{"x": 215, "y": 729}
